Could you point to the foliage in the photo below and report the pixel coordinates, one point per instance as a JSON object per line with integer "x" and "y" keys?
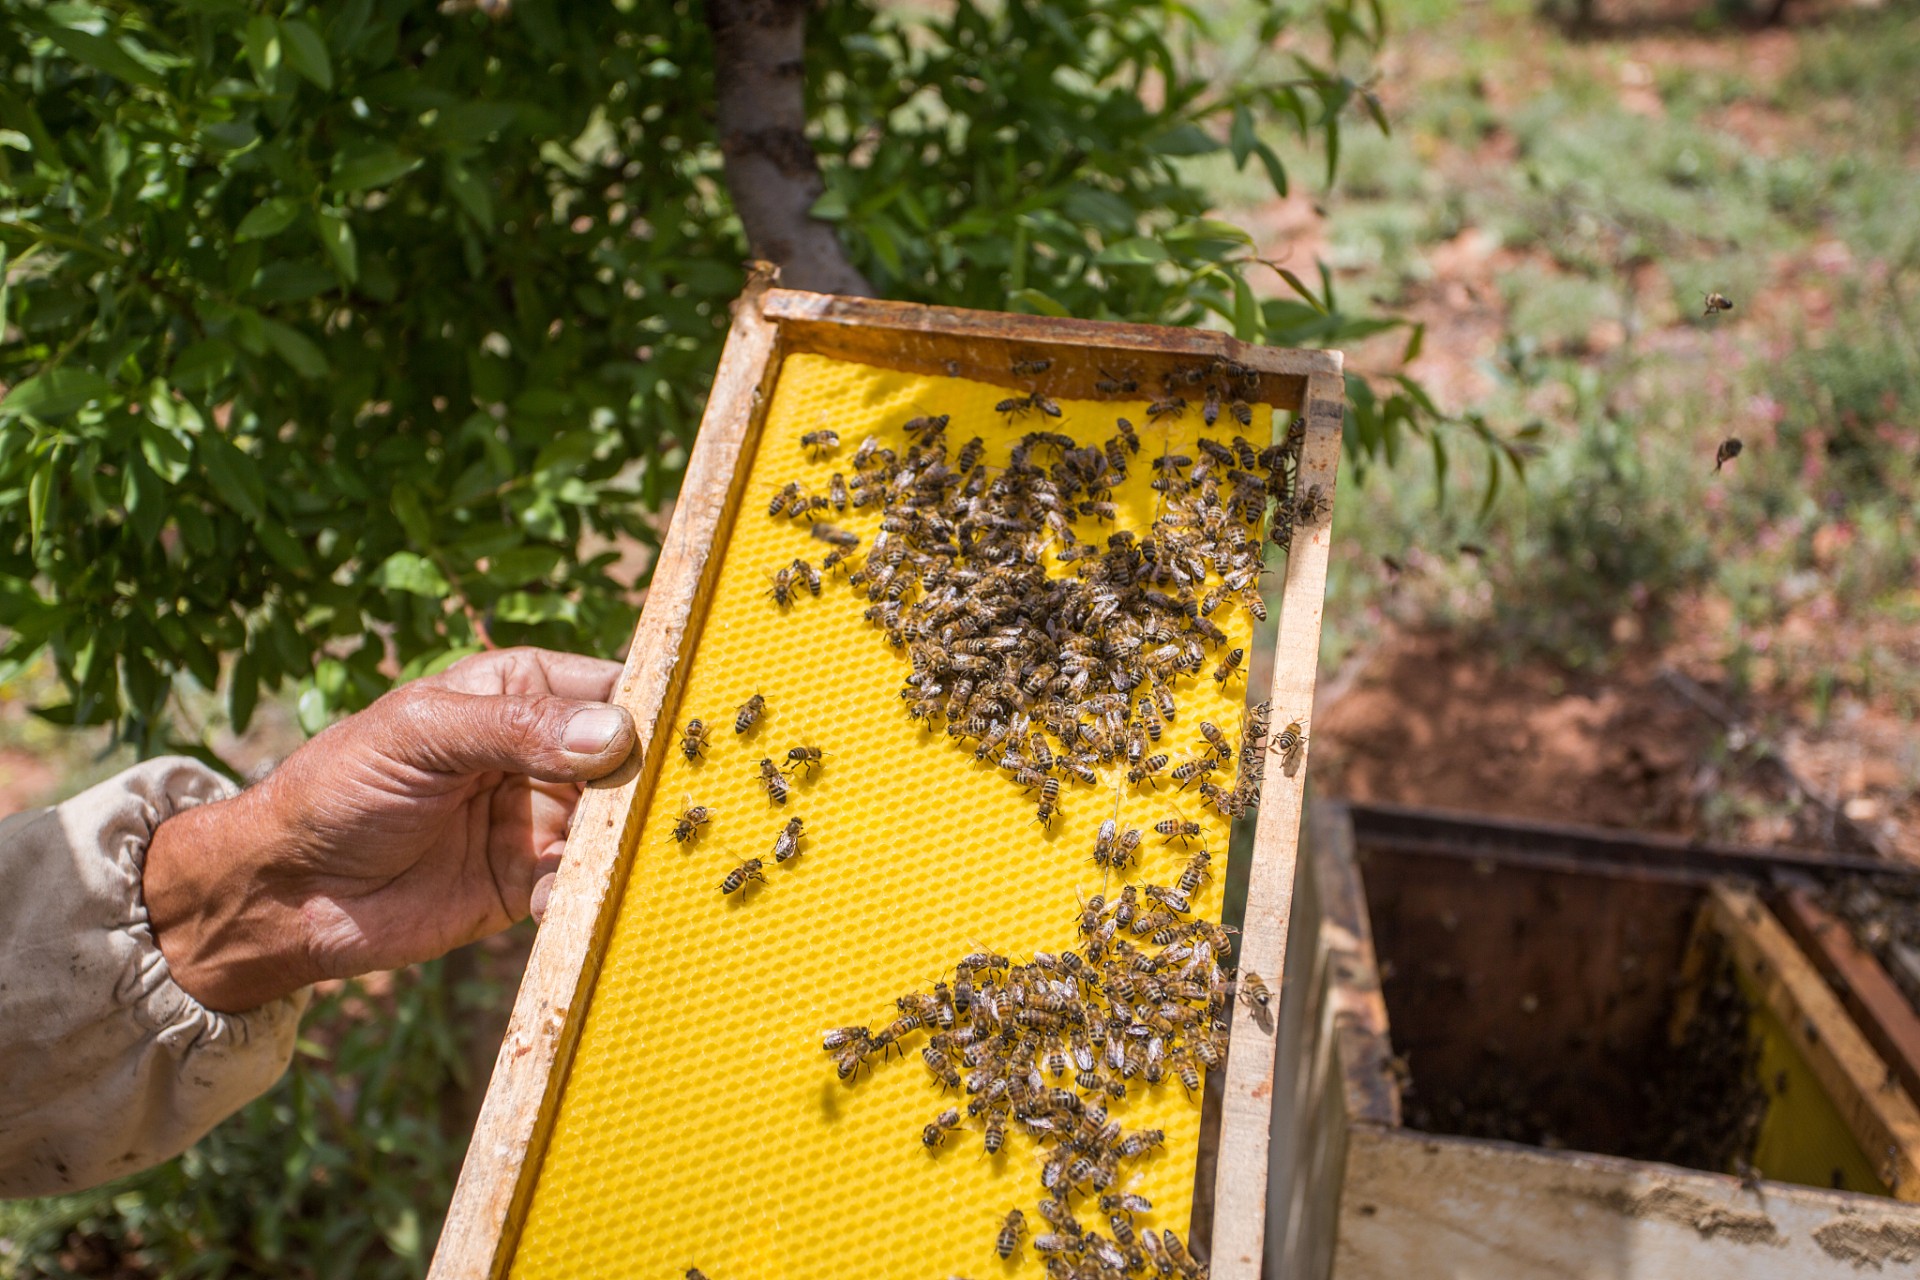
{"x": 347, "y": 332}
{"x": 342, "y": 1170}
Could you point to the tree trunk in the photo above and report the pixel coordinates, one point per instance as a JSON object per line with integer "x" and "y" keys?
{"x": 771, "y": 171}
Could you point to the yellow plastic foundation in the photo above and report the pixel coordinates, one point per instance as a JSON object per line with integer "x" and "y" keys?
{"x": 700, "y": 1123}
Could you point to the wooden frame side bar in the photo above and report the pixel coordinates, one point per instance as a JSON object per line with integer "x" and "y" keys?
{"x": 917, "y": 339}
{"x": 1866, "y": 1091}
{"x": 1240, "y": 1180}
{"x": 496, "y": 1180}
{"x": 1882, "y": 1011}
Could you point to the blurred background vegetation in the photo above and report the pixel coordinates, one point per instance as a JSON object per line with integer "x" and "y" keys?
{"x": 414, "y": 308}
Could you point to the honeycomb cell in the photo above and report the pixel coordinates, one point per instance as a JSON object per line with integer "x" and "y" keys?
{"x": 700, "y": 1124}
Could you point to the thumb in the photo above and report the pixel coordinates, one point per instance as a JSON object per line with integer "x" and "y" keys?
{"x": 552, "y": 739}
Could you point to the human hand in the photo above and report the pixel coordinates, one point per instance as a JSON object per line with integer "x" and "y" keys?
{"x": 431, "y": 819}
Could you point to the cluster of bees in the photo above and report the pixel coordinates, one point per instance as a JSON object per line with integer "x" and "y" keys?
{"x": 1051, "y": 677}
{"x": 777, "y": 779}
{"x": 1043, "y": 1048}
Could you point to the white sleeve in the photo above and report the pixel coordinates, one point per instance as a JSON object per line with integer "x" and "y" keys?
{"x": 106, "y": 1065}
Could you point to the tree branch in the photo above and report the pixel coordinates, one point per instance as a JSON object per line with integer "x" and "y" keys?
{"x": 771, "y": 171}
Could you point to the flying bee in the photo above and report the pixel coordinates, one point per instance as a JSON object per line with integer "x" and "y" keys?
{"x": 1716, "y": 302}
{"x": 774, "y": 781}
{"x": 690, "y": 821}
{"x": 807, "y": 758}
{"x": 804, "y": 572}
{"x": 936, "y": 1133}
{"x": 737, "y": 878}
{"x": 1111, "y": 385}
{"x": 1171, "y": 407}
{"x": 1030, "y": 368}
{"x": 693, "y": 739}
{"x": 1254, "y": 988}
{"x": 820, "y": 442}
{"x": 1729, "y": 450}
{"x": 834, "y": 535}
{"x": 748, "y": 713}
{"x": 1291, "y": 744}
{"x": 1011, "y": 1230}
{"x": 787, "y": 843}
{"x": 1216, "y": 739}
{"x": 1228, "y": 665}
{"x": 1181, "y": 829}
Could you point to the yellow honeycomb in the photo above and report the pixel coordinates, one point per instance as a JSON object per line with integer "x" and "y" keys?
{"x": 701, "y": 1124}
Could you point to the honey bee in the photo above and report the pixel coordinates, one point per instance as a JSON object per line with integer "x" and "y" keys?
{"x": 1147, "y": 768}
{"x": 942, "y": 1070}
{"x": 1011, "y": 1230}
{"x": 1228, "y": 665}
{"x": 834, "y": 535}
{"x": 787, "y": 843}
{"x": 1210, "y": 406}
{"x": 936, "y": 1133}
{"x": 837, "y": 492}
{"x": 807, "y": 758}
{"x": 1112, "y": 385}
{"x": 1171, "y": 407}
{"x": 1729, "y": 450}
{"x": 1031, "y": 368}
{"x": 994, "y": 1132}
{"x": 803, "y": 571}
{"x": 690, "y": 821}
{"x": 820, "y": 441}
{"x": 1291, "y": 744}
{"x": 1189, "y": 1074}
{"x": 1216, "y": 739}
{"x": 1180, "y": 829}
{"x": 1311, "y": 506}
{"x": 774, "y": 781}
{"x": 924, "y": 429}
{"x": 1157, "y": 1253}
{"x": 1178, "y": 1252}
{"x": 785, "y": 494}
{"x": 1198, "y": 767}
{"x": 695, "y": 1273}
{"x": 1716, "y": 302}
{"x": 841, "y": 1037}
{"x": 1191, "y": 875}
{"x": 749, "y": 712}
{"x": 1255, "y": 989}
{"x": 737, "y": 878}
{"x": 1242, "y": 413}
{"x": 1103, "y": 843}
{"x": 1125, "y": 1202}
{"x": 693, "y": 739}
{"x": 848, "y": 1061}
{"x": 782, "y": 592}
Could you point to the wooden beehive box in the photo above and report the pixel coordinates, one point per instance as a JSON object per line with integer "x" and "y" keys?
{"x": 660, "y": 1101}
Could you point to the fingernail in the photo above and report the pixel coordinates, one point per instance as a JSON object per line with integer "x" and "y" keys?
{"x": 593, "y": 731}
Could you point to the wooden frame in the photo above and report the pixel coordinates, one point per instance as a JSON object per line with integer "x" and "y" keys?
{"x": 769, "y": 324}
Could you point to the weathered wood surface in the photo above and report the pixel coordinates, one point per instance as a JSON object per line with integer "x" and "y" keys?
{"x": 983, "y": 345}
{"x": 1240, "y": 1181}
{"x": 1868, "y": 1095}
{"x": 1889, "y": 1022}
{"x": 497, "y": 1178}
{"x": 1416, "y": 1206}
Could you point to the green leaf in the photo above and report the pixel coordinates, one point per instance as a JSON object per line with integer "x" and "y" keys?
{"x": 1248, "y": 325}
{"x": 372, "y": 169}
{"x": 406, "y": 571}
{"x": 1039, "y": 301}
{"x": 263, "y": 48}
{"x": 202, "y": 364}
{"x": 1135, "y": 251}
{"x": 56, "y": 393}
{"x": 39, "y": 495}
{"x": 295, "y": 348}
{"x": 412, "y": 514}
{"x": 243, "y": 691}
{"x": 1415, "y": 341}
{"x": 233, "y": 473}
{"x": 1240, "y": 137}
{"x": 306, "y": 52}
{"x": 1276, "y": 172}
{"x": 337, "y": 236}
{"x": 146, "y": 501}
{"x": 105, "y": 55}
{"x": 269, "y": 218}
{"x": 1208, "y": 229}
{"x": 831, "y": 207}
{"x": 1300, "y": 287}
{"x": 313, "y": 712}
{"x": 474, "y": 195}
{"x": 1185, "y": 140}
{"x": 529, "y": 608}
{"x": 165, "y": 452}
{"x": 281, "y": 544}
